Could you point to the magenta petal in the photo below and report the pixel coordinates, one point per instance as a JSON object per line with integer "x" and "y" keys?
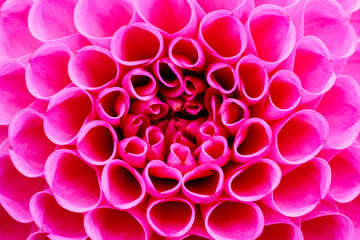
{"x": 233, "y": 114}
{"x": 181, "y": 158}
{"x": 351, "y": 210}
{"x": 186, "y": 53}
{"x": 215, "y": 150}
{"x": 75, "y": 184}
{"x": 193, "y": 87}
{"x": 16, "y": 190}
{"x": 156, "y": 144}
{"x": 236, "y": 7}
{"x": 328, "y": 21}
{"x": 135, "y": 125}
{"x": 283, "y": 97}
{"x": 173, "y": 18}
{"x": 264, "y": 23}
{"x": 106, "y": 223}
{"x": 67, "y": 112}
{"x": 46, "y": 73}
{"x": 154, "y": 108}
{"x": 112, "y": 105}
{"x": 213, "y": 100}
{"x": 281, "y": 3}
{"x": 55, "y": 220}
{"x": 252, "y": 77}
{"x": 136, "y": 45}
{"x": 301, "y": 189}
{"x": 252, "y": 181}
{"x": 170, "y": 217}
{"x": 179, "y": 137}
{"x": 38, "y": 236}
{"x": 97, "y": 142}
{"x": 207, "y": 130}
{"x": 340, "y": 107}
{"x": 51, "y": 20}
{"x": 352, "y": 65}
{"x": 98, "y": 20}
{"x": 133, "y": 151}
{"x": 140, "y": 84}
{"x": 93, "y": 68}
{"x": 299, "y": 138}
{"x": 29, "y": 145}
{"x": 252, "y": 141}
{"x": 14, "y": 94}
{"x": 12, "y": 229}
{"x": 233, "y": 220}
{"x": 221, "y": 76}
{"x": 122, "y": 185}
{"x": 204, "y": 183}
{"x": 161, "y": 180}
{"x": 222, "y": 36}
{"x": 345, "y": 175}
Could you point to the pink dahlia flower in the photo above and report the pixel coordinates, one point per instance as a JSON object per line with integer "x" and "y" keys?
{"x": 179, "y": 119}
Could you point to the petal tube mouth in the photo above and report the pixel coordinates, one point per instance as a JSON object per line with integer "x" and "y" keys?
{"x": 215, "y": 150}
{"x": 233, "y": 114}
{"x": 133, "y": 151}
{"x": 221, "y": 76}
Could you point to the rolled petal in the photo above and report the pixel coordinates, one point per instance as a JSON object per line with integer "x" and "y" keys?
{"x": 207, "y": 130}
{"x": 153, "y": 108}
{"x": 301, "y": 189}
{"x": 156, "y": 144}
{"x": 345, "y": 175}
{"x": 97, "y": 142}
{"x": 50, "y": 217}
{"x": 67, "y": 112}
{"x": 52, "y": 20}
{"x": 16, "y": 190}
{"x": 133, "y": 151}
{"x": 328, "y": 21}
{"x": 351, "y": 210}
{"x": 281, "y": 3}
{"x": 204, "y": 183}
{"x": 135, "y": 125}
{"x": 181, "y": 158}
{"x": 236, "y": 7}
{"x": 215, "y": 150}
{"x": 138, "y": 44}
{"x": 221, "y": 76}
{"x": 98, "y": 20}
{"x": 15, "y": 39}
{"x": 193, "y": 87}
{"x": 264, "y": 23}
{"x": 233, "y": 220}
{"x": 186, "y": 53}
{"x": 191, "y": 128}
{"x": 283, "y": 97}
{"x": 107, "y": 223}
{"x": 122, "y": 185}
{"x": 351, "y": 68}
{"x": 38, "y": 236}
{"x": 252, "y": 141}
{"x": 15, "y": 95}
{"x": 179, "y": 137}
{"x": 213, "y": 100}
{"x": 12, "y": 229}
{"x": 93, "y": 68}
{"x": 170, "y": 217}
{"x": 252, "y": 78}
{"x": 46, "y": 73}
{"x": 251, "y": 181}
{"x": 340, "y": 107}
{"x": 172, "y": 18}
{"x": 161, "y": 180}
{"x": 29, "y": 145}
{"x": 299, "y": 138}
{"x": 233, "y": 114}
{"x": 175, "y": 104}
{"x": 112, "y": 105}
{"x": 194, "y": 106}
{"x": 140, "y": 84}
{"x": 222, "y": 36}
{"x": 75, "y": 184}
{"x": 170, "y": 77}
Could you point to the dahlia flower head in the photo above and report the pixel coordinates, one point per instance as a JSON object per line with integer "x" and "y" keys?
{"x": 179, "y": 119}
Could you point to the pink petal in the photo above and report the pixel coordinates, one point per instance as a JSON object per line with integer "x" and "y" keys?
{"x": 207, "y": 130}
{"x": 67, "y": 112}
{"x": 135, "y": 125}
{"x": 179, "y": 137}
{"x": 138, "y": 44}
{"x": 352, "y": 65}
{"x": 213, "y": 100}
{"x": 107, "y": 223}
{"x": 204, "y": 183}
{"x": 75, "y": 184}
{"x": 299, "y": 138}
{"x": 349, "y": 5}
{"x": 340, "y": 107}
{"x": 175, "y": 104}
{"x": 38, "y": 236}
{"x": 29, "y": 145}
{"x": 12, "y": 229}
{"x": 122, "y": 185}
{"x": 351, "y": 210}
{"x": 53, "y": 219}
{"x": 233, "y": 114}
{"x": 156, "y": 144}
{"x": 112, "y": 105}
{"x": 46, "y": 73}
{"x": 170, "y": 217}
{"x": 181, "y": 158}
{"x": 214, "y": 150}
{"x": 133, "y": 151}
{"x": 194, "y": 106}
{"x": 93, "y": 68}
{"x": 15, "y": 95}
{"x": 281, "y": 3}
{"x": 154, "y": 108}
{"x": 161, "y": 180}
{"x": 221, "y": 76}
{"x": 16, "y": 190}
{"x": 236, "y": 7}
{"x": 193, "y": 87}
{"x": 222, "y": 36}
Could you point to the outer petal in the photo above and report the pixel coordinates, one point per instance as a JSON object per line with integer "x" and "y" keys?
{"x": 12, "y": 229}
